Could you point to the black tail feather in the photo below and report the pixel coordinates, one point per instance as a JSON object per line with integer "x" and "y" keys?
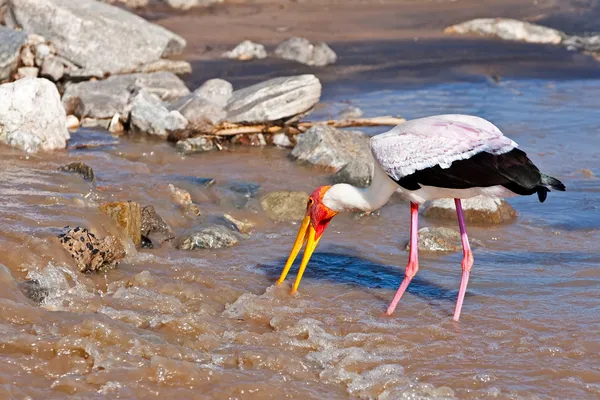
{"x": 554, "y": 183}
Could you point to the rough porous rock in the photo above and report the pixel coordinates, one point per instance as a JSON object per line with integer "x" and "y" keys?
{"x": 32, "y": 117}
{"x": 247, "y": 50}
{"x": 508, "y": 29}
{"x": 99, "y": 38}
{"x": 438, "y": 239}
{"x": 149, "y": 115}
{"x": 303, "y": 51}
{"x": 332, "y": 148}
{"x": 356, "y": 173}
{"x": 127, "y": 215}
{"x": 212, "y": 237}
{"x": 285, "y": 205}
{"x": 80, "y": 168}
{"x": 480, "y": 209}
{"x": 91, "y": 253}
{"x": 198, "y": 144}
{"x": 103, "y": 99}
{"x": 11, "y": 42}
{"x": 154, "y": 228}
{"x": 275, "y": 99}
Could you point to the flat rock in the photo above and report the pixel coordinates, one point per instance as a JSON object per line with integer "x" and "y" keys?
{"x": 356, "y": 173}
{"x": 91, "y": 253}
{"x": 153, "y": 227}
{"x": 508, "y": 29}
{"x": 102, "y": 99}
{"x": 32, "y": 117}
{"x": 212, "y": 237}
{"x": 198, "y": 144}
{"x": 285, "y": 205}
{"x": 303, "y": 51}
{"x": 438, "y": 239}
{"x": 274, "y": 100}
{"x": 80, "y": 168}
{"x": 150, "y": 115}
{"x": 332, "y": 148}
{"x": 11, "y": 42}
{"x": 127, "y": 215}
{"x": 246, "y": 50}
{"x": 480, "y": 209}
{"x": 98, "y": 37}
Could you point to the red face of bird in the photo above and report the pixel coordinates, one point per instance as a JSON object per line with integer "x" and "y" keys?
{"x": 314, "y": 224}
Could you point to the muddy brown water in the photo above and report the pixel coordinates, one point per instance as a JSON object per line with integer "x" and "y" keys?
{"x": 210, "y": 323}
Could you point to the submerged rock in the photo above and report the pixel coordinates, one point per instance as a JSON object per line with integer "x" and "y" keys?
{"x": 183, "y": 198}
{"x": 153, "y": 227}
{"x": 480, "y": 209}
{"x": 11, "y": 42}
{"x": 275, "y": 99}
{"x": 242, "y": 226}
{"x": 127, "y": 215}
{"x": 508, "y": 29}
{"x": 285, "y": 205}
{"x": 149, "y": 115}
{"x": 80, "y": 168}
{"x": 246, "y": 50}
{"x": 303, "y": 51}
{"x": 438, "y": 239}
{"x": 356, "y": 173}
{"x": 32, "y": 117}
{"x": 99, "y": 38}
{"x": 198, "y": 144}
{"x": 332, "y": 148}
{"x": 90, "y": 253}
{"x": 34, "y": 290}
{"x": 212, "y": 237}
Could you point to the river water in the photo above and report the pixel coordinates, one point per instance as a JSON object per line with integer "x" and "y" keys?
{"x": 211, "y": 324}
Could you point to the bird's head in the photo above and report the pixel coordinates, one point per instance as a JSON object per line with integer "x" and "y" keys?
{"x": 317, "y": 217}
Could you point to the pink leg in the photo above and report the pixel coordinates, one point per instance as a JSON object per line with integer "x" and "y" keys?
{"x": 467, "y": 262}
{"x": 413, "y": 258}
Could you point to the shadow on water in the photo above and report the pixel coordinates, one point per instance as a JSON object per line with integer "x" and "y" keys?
{"x": 358, "y": 271}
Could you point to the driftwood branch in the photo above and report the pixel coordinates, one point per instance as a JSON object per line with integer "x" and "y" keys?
{"x": 228, "y": 129}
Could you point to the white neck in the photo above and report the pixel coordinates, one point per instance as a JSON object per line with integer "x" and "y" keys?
{"x": 344, "y": 197}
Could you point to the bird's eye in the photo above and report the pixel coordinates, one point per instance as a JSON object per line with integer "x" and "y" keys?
{"x": 310, "y": 201}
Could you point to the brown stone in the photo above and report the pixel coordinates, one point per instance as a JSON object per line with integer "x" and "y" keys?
{"x": 285, "y": 205}
{"x": 91, "y": 253}
{"x": 127, "y": 215}
{"x": 154, "y": 227}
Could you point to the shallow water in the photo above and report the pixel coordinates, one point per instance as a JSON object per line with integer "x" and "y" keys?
{"x": 210, "y": 324}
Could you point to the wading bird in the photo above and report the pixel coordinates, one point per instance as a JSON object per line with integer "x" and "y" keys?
{"x": 443, "y": 156}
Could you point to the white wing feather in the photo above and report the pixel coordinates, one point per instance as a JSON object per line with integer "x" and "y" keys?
{"x": 437, "y": 140}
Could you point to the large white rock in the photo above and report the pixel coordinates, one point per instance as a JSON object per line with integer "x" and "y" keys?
{"x": 508, "y": 29}
{"x": 32, "y": 117}
{"x": 98, "y": 37}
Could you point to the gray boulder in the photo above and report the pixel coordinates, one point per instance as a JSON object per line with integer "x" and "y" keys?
{"x": 357, "y": 173}
{"x": 212, "y": 237}
{"x": 32, "y": 117}
{"x": 480, "y": 209}
{"x": 99, "y": 38}
{"x": 305, "y": 52}
{"x": 246, "y": 50}
{"x": 11, "y": 42}
{"x": 332, "y": 148}
{"x": 103, "y": 99}
{"x": 149, "y": 115}
{"x": 204, "y": 108}
{"x": 284, "y": 205}
{"x": 275, "y": 99}
{"x": 508, "y": 29}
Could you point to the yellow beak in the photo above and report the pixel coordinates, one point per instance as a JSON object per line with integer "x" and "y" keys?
{"x": 306, "y": 234}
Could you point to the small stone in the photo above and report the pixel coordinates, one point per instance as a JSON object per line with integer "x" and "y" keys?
{"x": 356, "y": 173}
{"x": 282, "y": 140}
{"x": 508, "y": 29}
{"x": 212, "y": 237}
{"x": 438, "y": 239}
{"x": 95, "y": 123}
{"x": 303, "y": 51}
{"x": 90, "y": 253}
{"x": 42, "y": 50}
{"x": 479, "y": 209}
{"x": 127, "y": 215}
{"x": 27, "y": 72}
{"x": 195, "y": 145}
{"x": 34, "y": 290}
{"x": 246, "y": 50}
{"x": 244, "y": 226}
{"x": 116, "y": 126}
{"x": 72, "y": 122}
{"x": 154, "y": 227}
{"x": 27, "y": 57}
{"x": 180, "y": 196}
{"x": 80, "y": 168}
{"x": 254, "y": 139}
{"x": 351, "y": 113}
{"x": 52, "y": 69}
{"x": 285, "y": 205}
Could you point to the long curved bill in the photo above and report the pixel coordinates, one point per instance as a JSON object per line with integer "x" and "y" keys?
{"x": 306, "y": 234}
